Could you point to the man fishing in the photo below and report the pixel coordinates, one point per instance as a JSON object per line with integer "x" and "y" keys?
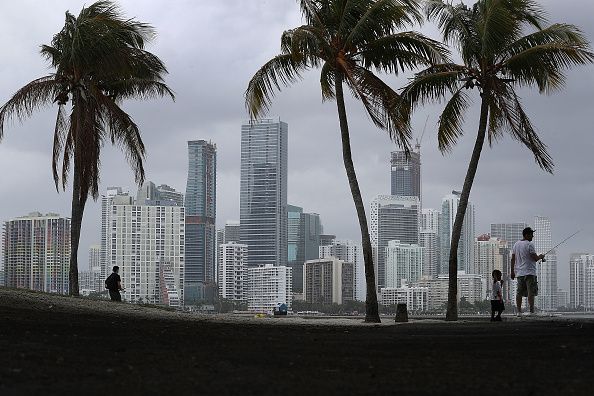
{"x": 523, "y": 265}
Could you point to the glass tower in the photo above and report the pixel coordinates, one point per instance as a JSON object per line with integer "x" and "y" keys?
{"x": 263, "y": 191}
{"x": 200, "y": 207}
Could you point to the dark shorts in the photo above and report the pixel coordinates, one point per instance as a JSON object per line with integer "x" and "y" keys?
{"x": 497, "y": 306}
{"x": 115, "y": 295}
{"x": 527, "y": 286}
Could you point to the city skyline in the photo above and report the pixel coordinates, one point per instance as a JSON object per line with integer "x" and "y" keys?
{"x": 218, "y": 118}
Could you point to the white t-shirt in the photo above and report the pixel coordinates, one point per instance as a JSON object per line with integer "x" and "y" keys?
{"x": 496, "y": 291}
{"x": 525, "y": 265}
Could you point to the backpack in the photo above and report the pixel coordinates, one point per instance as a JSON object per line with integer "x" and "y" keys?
{"x": 111, "y": 283}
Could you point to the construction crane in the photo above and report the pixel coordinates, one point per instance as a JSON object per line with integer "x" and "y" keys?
{"x": 419, "y": 140}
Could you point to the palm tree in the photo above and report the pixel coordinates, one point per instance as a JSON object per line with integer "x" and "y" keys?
{"x": 349, "y": 40}
{"x": 99, "y": 60}
{"x": 504, "y": 45}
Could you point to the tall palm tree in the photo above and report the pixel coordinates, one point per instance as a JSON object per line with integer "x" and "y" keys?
{"x": 351, "y": 40}
{"x": 504, "y": 45}
{"x": 99, "y": 61}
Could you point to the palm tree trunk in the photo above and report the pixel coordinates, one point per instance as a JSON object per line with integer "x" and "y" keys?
{"x": 452, "y": 311}
{"x": 78, "y": 207}
{"x": 371, "y": 307}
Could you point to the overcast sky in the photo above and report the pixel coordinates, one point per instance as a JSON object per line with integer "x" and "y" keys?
{"x": 213, "y": 47}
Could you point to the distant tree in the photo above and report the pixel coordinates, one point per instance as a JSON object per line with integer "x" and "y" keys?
{"x": 504, "y": 46}
{"x": 349, "y": 40}
{"x": 99, "y": 61}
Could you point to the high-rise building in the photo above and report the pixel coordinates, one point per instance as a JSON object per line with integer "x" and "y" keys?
{"x": 36, "y": 252}
{"x": 488, "y": 256}
{"x": 200, "y": 232}
{"x": 429, "y": 239}
{"x": 293, "y": 228}
{"x": 392, "y": 218}
{"x": 349, "y": 252}
{"x": 95, "y": 283}
{"x": 562, "y": 298}
{"x": 581, "y": 281}
{"x": 470, "y": 286}
{"x": 404, "y": 262}
{"x": 327, "y": 239}
{"x": 106, "y": 201}
{"x": 511, "y": 233}
{"x": 232, "y": 273}
{"x": 303, "y": 241}
{"x": 147, "y": 242}
{"x": 406, "y": 174}
{"x": 230, "y": 233}
{"x": 263, "y": 191}
{"x": 449, "y": 208}
{"x": 546, "y": 271}
{"x": 268, "y": 287}
{"x": 328, "y": 281}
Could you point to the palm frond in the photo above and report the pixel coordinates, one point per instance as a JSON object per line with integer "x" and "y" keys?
{"x": 520, "y": 128}
{"x": 137, "y": 88}
{"x": 451, "y": 120}
{"x": 38, "y": 93}
{"x": 306, "y": 42}
{"x": 381, "y": 18}
{"x": 61, "y": 131}
{"x": 541, "y": 58}
{"x": 280, "y": 70}
{"x": 433, "y": 84}
{"x": 327, "y": 79}
{"x": 383, "y": 105}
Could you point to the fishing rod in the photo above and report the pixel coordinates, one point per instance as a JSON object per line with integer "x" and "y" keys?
{"x": 561, "y": 243}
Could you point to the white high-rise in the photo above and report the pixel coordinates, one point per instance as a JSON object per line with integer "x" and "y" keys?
{"x": 581, "y": 281}
{"x": 429, "y": 239}
{"x": 392, "y": 218}
{"x": 488, "y": 256}
{"x": 404, "y": 262}
{"x": 36, "y": 252}
{"x": 546, "y": 271}
{"x": 269, "y": 286}
{"x": 147, "y": 243}
{"x": 232, "y": 272}
{"x": 449, "y": 208}
{"x": 349, "y": 252}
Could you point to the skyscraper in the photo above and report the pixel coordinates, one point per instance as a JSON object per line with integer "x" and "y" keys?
{"x": 403, "y": 262}
{"x": 232, "y": 273}
{"x": 449, "y": 208}
{"x": 303, "y": 241}
{"x": 36, "y": 252}
{"x": 293, "y": 228}
{"x": 511, "y": 233}
{"x": 200, "y": 206}
{"x": 106, "y": 201}
{"x": 488, "y": 256}
{"x": 392, "y": 218}
{"x": 263, "y": 191}
{"x": 406, "y": 174}
{"x": 546, "y": 271}
{"x": 581, "y": 281}
{"x": 429, "y": 239}
{"x": 147, "y": 242}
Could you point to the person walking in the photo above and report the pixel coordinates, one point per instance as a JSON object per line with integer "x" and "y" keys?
{"x": 523, "y": 266}
{"x": 113, "y": 283}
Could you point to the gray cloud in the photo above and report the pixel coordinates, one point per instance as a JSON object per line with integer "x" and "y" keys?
{"x": 213, "y": 47}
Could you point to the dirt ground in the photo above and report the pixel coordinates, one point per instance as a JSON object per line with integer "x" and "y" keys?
{"x": 59, "y": 345}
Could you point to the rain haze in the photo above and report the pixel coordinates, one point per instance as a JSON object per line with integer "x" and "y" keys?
{"x": 212, "y": 48}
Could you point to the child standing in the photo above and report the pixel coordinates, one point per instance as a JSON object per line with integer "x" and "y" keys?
{"x": 497, "y": 297}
